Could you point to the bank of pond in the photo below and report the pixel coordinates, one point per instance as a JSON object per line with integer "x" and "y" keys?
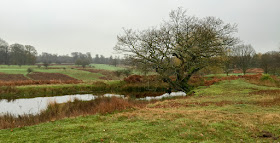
{"x": 30, "y": 111}
{"x": 36, "y": 105}
{"x": 16, "y": 92}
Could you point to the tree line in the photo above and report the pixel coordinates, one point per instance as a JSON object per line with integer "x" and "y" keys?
{"x": 17, "y": 54}
{"x": 78, "y": 59}
{"x": 244, "y": 57}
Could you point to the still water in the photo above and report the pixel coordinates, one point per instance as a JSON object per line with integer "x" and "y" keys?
{"x": 36, "y": 105}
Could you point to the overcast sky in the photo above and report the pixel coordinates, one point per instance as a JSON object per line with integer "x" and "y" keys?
{"x": 65, "y": 26}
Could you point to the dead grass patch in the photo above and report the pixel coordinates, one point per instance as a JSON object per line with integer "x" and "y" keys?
{"x": 275, "y": 101}
{"x": 176, "y": 104}
{"x": 37, "y": 82}
{"x": 265, "y": 92}
{"x": 12, "y": 77}
{"x": 50, "y": 76}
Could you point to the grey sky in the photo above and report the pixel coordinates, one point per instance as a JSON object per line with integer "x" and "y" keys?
{"x": 65, "y": 26}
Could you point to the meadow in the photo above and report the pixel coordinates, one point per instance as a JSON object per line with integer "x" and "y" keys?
{"x": 221, "y": 108}
{"x": 227, "y": 111}
{"x": 70, "y": 70}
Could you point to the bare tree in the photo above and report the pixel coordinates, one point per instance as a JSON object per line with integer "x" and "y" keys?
{"x": 179, "y": 47}
{"x": 270, "y": 62}
{"x": 243, "y": 56}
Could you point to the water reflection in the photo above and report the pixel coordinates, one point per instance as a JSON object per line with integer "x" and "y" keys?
{"x": 166, "y": 95}
{"x": 35, "y": 105}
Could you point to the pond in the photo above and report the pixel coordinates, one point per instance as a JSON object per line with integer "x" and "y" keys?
{"x": 36, "y": 105}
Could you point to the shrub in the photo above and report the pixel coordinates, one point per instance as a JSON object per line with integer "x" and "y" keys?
{"x": 127, "y": 72}
{"x": 266, "y": 77}
{"x": 46, "y": 64}
{"x": 133, "y": 79}
{"x": 118, "y": 73}
{"x": 29, "y": 70}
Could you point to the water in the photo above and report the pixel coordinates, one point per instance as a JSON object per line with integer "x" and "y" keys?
{"x": 36, "y": 105}
{"x": 166, "y": 95}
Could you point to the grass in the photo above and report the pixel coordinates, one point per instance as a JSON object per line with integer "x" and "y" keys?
{"x": 106, "y": 67}
{"x": 224, "y": 75}
{"x": 69, "y": 70}
{"x": 75, "y": 73}
{"x": 72, "y": 72}
{"x": 13, "y": 69}
{"x": 229, "y": 111}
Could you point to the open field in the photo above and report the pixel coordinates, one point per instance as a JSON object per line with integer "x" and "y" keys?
{"x": 70, "y": 70}
{"x": 132, "y": 84}
{"x": 106, "y": 67}
{"x": 228, "y": 111}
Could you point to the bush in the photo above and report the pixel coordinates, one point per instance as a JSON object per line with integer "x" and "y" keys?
{"x": 118, "y": 73}
{"x": 127, "y": 72}
{"x": 266, "y": 77}
{"x": 29, "y": 70}
{"x": 133, "y": 79}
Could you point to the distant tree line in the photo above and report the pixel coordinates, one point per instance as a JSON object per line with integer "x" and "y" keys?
{"x": 17, "y": 54}
{"x": 78, "y": 59}
{"x": 244, "y": 57}
{"x": 109, "y": 61}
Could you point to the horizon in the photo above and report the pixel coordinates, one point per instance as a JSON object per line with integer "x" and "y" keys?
{"x": 58, "y": 27}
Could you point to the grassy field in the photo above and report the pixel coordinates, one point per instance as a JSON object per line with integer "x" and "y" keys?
{"x": 229, "y": 111}
{"x": 106, "y": 67}
{"x": 72, "y": 72}
{"x": 224, "y": 75}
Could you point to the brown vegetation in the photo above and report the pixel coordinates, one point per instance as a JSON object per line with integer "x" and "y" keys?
{"x": 37, "y": 82}
{"x": 174, "y": 104}
{"x": 252, "y": 70}
{"x": 50, "y": 76}
{"x": 272, "y": 97}
{"x": 142, "y": 79}
{"x": 12, "y": 77}
{"x": 194, "y": 80}
{"x": 202, "y": 81}
{"x": 270, "y": 102}
{"x": 36, "y": 79}
{"x": 265, "y": 80}
{"x": 134, "y": 79}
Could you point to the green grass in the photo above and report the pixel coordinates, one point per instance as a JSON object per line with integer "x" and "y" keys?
{"x": 75, "y": 73}
{"x": 106, "y": 67}
{"x": 236, "y": 87}
{"x": 13, "y": 69}
{"x": 224, "y": 75}
{"x": 224, "y": 112}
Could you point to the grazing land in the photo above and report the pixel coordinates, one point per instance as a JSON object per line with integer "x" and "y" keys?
{"x": 101, "y": 72}
{"x": 228, "y": 111}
